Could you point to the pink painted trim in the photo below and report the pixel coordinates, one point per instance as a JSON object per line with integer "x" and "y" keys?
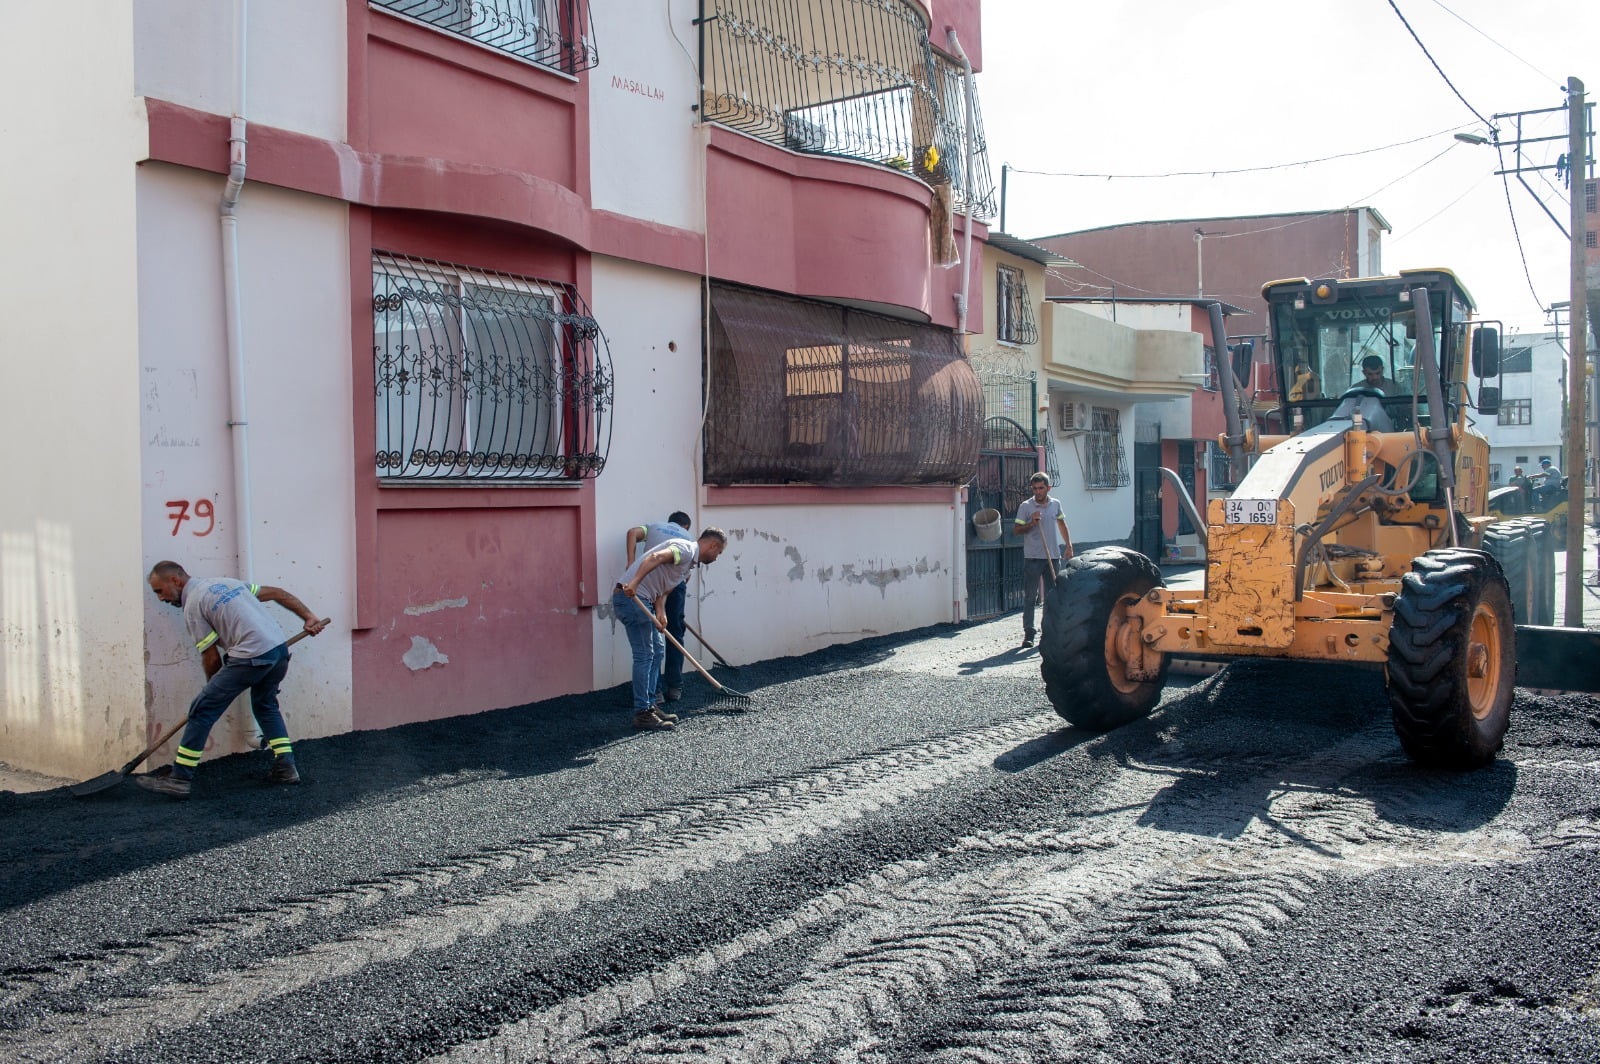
{"x": 814, "y": 495}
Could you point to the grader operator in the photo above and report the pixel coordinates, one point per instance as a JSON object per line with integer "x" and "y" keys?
{"x": 1361, "y": 534}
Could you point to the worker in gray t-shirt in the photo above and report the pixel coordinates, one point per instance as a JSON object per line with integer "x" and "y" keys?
{"x": 1038, "y": 518}
{"x": 241, "y": 649}
{"x": 644, "y": 539}
{"x": 646, "y": 583}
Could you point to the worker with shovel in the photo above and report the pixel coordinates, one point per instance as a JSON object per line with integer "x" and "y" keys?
{"x": 1040, "y": 553}
{"x": 241, "y": 648}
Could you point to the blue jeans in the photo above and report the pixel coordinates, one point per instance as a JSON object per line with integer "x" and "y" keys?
{"x": 648, "y": 645}
{"x": 261, "y": 677}
{"x": 677, "y": 599}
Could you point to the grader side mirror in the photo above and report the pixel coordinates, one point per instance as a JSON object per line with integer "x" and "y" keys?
{"x": 1488, "y": 400}
{"x": 1486, "y": 352}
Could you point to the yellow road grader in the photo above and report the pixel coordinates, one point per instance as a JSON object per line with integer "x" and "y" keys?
{"x": 1359, "y": 534}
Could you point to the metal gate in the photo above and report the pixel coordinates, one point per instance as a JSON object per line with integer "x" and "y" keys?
{"x": 1147, "y": 500}
{"x": 994, "y": 568}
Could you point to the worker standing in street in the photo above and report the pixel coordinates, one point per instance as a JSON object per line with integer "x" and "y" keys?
{"x": 652, "y": 536}
{"x": 1039, "y": 557}
{"x": 646, "y": 583}
{"x": 241, "y": 649}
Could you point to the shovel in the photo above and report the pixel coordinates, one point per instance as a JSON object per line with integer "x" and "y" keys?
{"x": 107, "y": 780}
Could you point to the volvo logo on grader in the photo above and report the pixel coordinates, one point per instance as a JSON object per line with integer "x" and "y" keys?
{"x": 1399, "y": 567}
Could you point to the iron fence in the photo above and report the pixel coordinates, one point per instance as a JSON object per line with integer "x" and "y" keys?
{"x": 481, "y": 375}
{"x": 553, "y": 33}
{"x": 852, "y": 78}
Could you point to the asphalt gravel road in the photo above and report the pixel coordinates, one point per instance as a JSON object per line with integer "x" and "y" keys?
{"x": 899, "y": 853}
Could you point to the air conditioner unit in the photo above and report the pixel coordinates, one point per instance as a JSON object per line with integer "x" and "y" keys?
{"x": 1074, "y": 416}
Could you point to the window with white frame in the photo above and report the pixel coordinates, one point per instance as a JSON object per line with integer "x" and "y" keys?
{"x": 1516, "y": 412}
{"x": 478, "y": 374}
{"x": 553, "y": 33}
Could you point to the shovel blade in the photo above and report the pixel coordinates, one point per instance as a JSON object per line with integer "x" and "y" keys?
{"x": 103, "y": 782}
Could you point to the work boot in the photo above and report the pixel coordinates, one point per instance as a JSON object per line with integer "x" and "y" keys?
{"x": 283, "y": 771}
{"x": 162, "y": 781}
{"x": 648, "y": 721}
{"x": 1027, "y": 639}
{"x": 674, "y": 693}
{"x": 670, "y": 718}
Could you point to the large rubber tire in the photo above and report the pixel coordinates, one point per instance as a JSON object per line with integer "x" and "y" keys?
{"x": 1084, "y": 673}
{"x": 1452, "y": 659}
{"x": 1511, "y": 543}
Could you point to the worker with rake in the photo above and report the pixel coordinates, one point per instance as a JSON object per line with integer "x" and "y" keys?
{"x": 242, "y": 649}
{"x": 1037, "y": 520}
{"x": 647, "y": 582}
{"x": 651, "y": 536}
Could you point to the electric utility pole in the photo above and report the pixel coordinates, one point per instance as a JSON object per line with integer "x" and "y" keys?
{"x": 1578, "y": 377}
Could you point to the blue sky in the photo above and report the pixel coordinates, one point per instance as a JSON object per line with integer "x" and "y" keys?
{"x": 1157, "y": 86}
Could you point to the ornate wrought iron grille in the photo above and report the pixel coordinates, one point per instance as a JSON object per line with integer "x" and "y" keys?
{"x": 480, "y": 375}
{"x": 1103, "y": 463}
{"x": 553, "y": 33}
{"x": 854, "y": 78}
{"x": 1013, "y": 309}
{"x": 817, "y": 393}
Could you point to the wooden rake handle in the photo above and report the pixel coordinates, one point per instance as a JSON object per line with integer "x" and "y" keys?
{"x": 701, "y": 669}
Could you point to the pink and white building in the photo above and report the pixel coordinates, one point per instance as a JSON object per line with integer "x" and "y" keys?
{"x": 414, "y": 306}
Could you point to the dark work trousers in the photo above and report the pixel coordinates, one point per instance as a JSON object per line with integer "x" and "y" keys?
{"x": 1035, "y": 576}
{"x": 672, "y": 671}
{"x": 261, "y": 677}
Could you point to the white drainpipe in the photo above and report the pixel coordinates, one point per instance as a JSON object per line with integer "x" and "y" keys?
{"x": 238, "y": 411}
{"x": 959, "y": 510}
{"x": 966, "y": 152}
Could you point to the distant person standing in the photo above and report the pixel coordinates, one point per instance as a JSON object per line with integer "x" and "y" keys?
{"x": 241, "y": 648}
{"x": 646, "y": 583}
{"x": 676, "y": 526}
{"x": 1039, "y": 557}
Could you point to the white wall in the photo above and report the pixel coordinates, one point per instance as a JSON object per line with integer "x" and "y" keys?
{"x": 643, "y": 140}
{"x": 294, "y": 267}
{"x": 651, "y": 320}
{"x": 1102, "y": 514}
{"x": 296, "y": 60}
{"x": 70, "y": 643}
{"x": 1545, "y": 386}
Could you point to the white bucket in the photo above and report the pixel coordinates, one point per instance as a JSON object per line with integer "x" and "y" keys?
{"x": 987, "y": 523}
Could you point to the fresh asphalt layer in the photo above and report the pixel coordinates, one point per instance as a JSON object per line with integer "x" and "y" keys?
{"x": 898, "y": 853}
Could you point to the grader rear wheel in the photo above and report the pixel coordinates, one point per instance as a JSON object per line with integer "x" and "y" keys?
{"x": 1452, "y": 659}
{"x": 1089, "y": 645}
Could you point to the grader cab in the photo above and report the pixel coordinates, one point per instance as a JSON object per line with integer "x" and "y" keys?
{"x": 1360, "y": 533}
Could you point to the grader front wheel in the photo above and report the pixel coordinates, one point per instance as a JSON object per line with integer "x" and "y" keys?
{"x": 1452, "y": 659}
{"x": 1091, "y": 654}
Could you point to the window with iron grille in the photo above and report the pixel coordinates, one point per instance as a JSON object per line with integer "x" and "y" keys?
{"x": 481, "y": 375}
{"x": 552, "y": 33}
{"x": 811, "y": 392}
{"x": 1516, "y": 412}
{"x": 1589, "y": 198}
{"x": 1219, "y": 474}
{"x": 852, "y": 78}
{"x": 1589, "y": 240}
{"x": 1014, "y": 322}
{"x": 1103, "y": 463}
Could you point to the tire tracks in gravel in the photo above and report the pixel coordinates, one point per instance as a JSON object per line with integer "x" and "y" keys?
{"x": 1057, "y": 935}
{"x": 659, "y": 846}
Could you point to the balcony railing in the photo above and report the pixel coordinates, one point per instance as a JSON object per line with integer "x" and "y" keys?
{"x": 552, "y": 33}
{"x": 851, "y": 78}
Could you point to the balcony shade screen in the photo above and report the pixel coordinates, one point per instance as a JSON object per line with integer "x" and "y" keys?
{"x": 811, "y": 392}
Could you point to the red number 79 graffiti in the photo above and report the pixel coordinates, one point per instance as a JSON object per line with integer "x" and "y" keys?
{"x": 178, "y": 513}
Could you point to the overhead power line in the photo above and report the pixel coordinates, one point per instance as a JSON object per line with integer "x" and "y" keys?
{"x": 1436, "y": 65}
{"x": 1494, "y": 42}
{"x": 1245, "y": 169}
